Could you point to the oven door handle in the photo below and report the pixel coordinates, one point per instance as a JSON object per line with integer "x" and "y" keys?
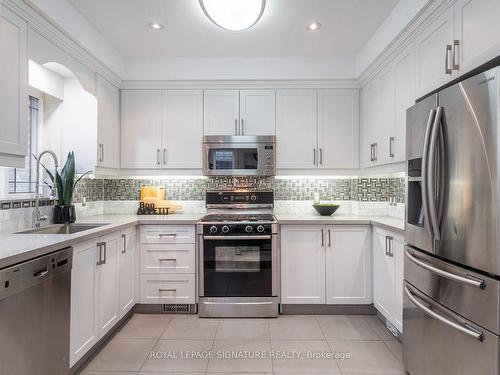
{"x": 225, "y": 238}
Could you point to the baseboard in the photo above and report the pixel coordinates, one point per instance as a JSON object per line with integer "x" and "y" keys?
{"x": 302, "y": 309}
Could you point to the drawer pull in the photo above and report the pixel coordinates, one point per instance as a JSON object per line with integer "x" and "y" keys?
{"x": 167, "y": 260}
{"x": 167, "y": 235}
{"x": 167, "y": 290}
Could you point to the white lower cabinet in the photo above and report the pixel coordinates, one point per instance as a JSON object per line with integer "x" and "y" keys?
{"x": 99, "y": 267}
{"x": 325, "y": 264}
{"x": 168, "y": 259}
{"x": 127, "y": 270}
{"x": 388, "y": 251}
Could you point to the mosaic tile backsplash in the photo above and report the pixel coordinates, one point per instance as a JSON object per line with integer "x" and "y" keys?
{"x": 193, "y": 189}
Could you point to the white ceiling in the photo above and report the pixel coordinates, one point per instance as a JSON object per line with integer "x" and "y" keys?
{"x": 347, "y": 26}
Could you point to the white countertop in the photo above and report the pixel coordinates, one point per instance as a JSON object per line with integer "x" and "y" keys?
{"x": 16, "y": 248}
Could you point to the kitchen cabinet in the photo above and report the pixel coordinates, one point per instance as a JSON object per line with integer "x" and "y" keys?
{"x": 388, "y": 252}
{"x": 317, "y": 128}
{"x": 325, "y": 264}
{"x": 338, "y": 128}
{"x": 161, "y": 129}
{"x": 108, "y": 124}
{"x": 239, "y": 112}
{"x": 141, "y": 124}
{"x": 168, "y": 259}
{"x": 127, "y": 270}
{"x": 95, "y": 292}
{"x": 348, "y": 264}
{"x": 14, "y": 92}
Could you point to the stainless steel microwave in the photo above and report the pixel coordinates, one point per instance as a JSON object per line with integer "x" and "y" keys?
{"x": 242, "y": 155}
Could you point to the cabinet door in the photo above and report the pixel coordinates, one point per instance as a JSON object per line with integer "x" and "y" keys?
{"x": 221, "y": 112}
{"x": 141, "y": 128}
{"x": 404, "y": 74}
{"x": 257, "y": 112}
{"x": 367, "y": 124}
{"x": 383, "y": 115}
{"x": 348, "y": 265}
{"x": 14, "y": 85}
{"x": 431, "y": 51}
{"x": 398, "y": 247}
{"x": 84, "y": 329}
{"x": 302, "y": 264}
{"x": 338, "y": 128}
{"x": 127, "y": 272}
{"x": 383, "y": 275}
{"x": 477, "y": 30}
{"x": 108, "y": 124}
{"x": 108, "y": 279}
{"x": 297, "y": 129}
{"x": 182, "y": 129}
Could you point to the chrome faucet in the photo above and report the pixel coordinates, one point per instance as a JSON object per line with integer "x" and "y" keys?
{"x": 37, "y": 216}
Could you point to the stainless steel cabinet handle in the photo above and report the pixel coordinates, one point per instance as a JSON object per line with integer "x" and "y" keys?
{"x": 371, "y": 153}
{"x": 314, "y": 156}
{"x": 464, "y": 329}
{"x": 242, "y": 130}
{"x": 105, "y": 253}
{"x": 235, "y": 126}
{"x": 102, "y": 152}
{"x": 447, "y": 69}
{"x": 321, "y": 156}
{"x": 167, "y": 235}
{"x": 431, "y": 175}
{"x": 167, "y": 290}
{"x": 167, "y": 260}
{"x": 456, "y": 45}
{"x": 468, "y": 279}
{"x": 124, "y": 239}
{"x": 391, "y": 244}
{"x": 375, "y": 151}
{"x": 329, "y": 238}
{"x": 99, "y": 254}
{"x": 158, "y": 156}
{"x": 322, "y": 237}
{"x": 425, "y": 162}
{"x": 391, "y": 147}
{"x": 225, "y": 238}
{"x": 386, "y": 245}
{"x": 164, "y": 156}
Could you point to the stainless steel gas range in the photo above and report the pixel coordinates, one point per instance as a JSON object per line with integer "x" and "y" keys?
{"x": 238, "y": 256}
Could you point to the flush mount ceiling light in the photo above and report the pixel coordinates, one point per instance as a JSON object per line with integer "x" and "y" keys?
{"x": 233, "y": 15}
{"x": 156, "y": 26}
{"x": 313, "y": 26}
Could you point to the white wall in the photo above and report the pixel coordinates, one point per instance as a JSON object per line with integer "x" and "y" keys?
{"x": 45, "y": 80}
{"x": 393, "y": 25}
{"x": 238, "y": 68}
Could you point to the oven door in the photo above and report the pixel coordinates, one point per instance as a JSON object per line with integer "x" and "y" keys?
{"x": 233, "y": 159}
{"x": 237, "y": 267}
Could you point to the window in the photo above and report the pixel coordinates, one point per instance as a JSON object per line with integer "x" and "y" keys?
{"x": 23, "y": 180}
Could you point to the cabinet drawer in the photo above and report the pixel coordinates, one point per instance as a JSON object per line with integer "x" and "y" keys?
{"x": 160, "y": 258}
{"x": 168, "y": 234}
{"x": 168, "y": 288}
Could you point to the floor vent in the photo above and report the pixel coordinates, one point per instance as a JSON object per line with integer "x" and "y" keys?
{"x": 181, "y": 308}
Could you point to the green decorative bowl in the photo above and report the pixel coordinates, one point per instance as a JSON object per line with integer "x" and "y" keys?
{"x": 326, "y": 209}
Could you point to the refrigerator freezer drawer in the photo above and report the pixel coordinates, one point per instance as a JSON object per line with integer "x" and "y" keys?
{"x": 438, "y": 341}
{"x": 470, "y": 294}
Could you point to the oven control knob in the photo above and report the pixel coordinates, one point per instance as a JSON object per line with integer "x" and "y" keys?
{"x": 253, "y": 198}
{"x": 213, "y": 229}
{"x": 225, "y": 229}
{"x": 260, "y": 229}
{"x": 248, "y": 229}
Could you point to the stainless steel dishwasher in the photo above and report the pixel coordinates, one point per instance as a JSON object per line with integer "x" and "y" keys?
{"x": 35, "y": 315}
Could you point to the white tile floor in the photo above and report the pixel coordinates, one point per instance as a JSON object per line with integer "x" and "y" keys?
{"x": 372, "y": 349}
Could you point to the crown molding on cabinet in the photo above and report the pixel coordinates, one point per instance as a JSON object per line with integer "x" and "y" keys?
{"x": 427, "y": 14}
{"x": 42, "y": 24}
{"x": 240, "y": 84}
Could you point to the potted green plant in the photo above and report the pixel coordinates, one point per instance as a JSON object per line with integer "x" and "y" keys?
{"x": 65, "y": 184}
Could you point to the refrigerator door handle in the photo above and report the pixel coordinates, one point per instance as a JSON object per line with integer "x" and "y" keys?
{"x": 431, "y": 174}
{"x": 425, "y": 197}
{"x": 469, "y": 280}
{"x": 466, "y": 329}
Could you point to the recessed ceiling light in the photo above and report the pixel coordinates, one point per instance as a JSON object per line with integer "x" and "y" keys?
{"x": 156, "y": 26}
{"x": 233, "y": 15}
{"x": 313, "y": 26}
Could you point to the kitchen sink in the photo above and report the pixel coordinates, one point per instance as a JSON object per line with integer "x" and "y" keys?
{"x": 61, "y": 229}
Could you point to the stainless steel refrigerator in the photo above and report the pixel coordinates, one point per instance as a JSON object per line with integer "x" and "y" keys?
{"x": 451, "y": 314}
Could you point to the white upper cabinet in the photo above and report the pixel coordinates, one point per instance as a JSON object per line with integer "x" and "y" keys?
{"x": 383, "y": 115}
{"x": 222, "y": 112}
{"x": 348, "y": 261}
{"x": 108, "y": 124}
{"x": 257, "y": 112}
{"x": 14, "y": 86}
{"x": 302, "y": 264}
{"x": 182, "y": 129}
{"x": 297, "y": 128}
{"x": 434, "y": 53}
{"x": 141, "y": 122}
{"x": 338, "y": 128}
{"x": 477, "y": 29}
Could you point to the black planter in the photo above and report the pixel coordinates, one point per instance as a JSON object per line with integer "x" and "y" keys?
{"x": 64, "y": 214}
